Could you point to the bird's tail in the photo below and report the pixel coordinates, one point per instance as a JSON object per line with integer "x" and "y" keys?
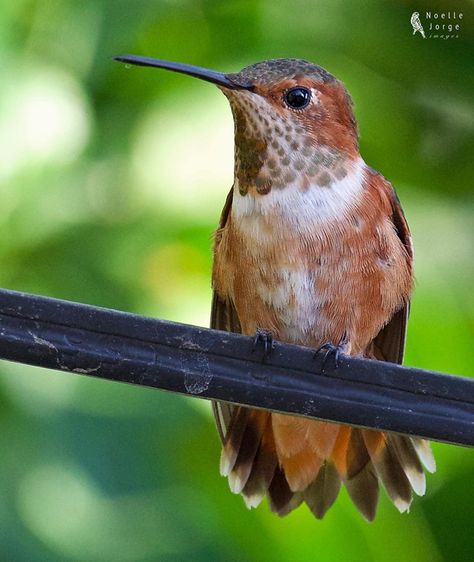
{"x": 292, "y": 459}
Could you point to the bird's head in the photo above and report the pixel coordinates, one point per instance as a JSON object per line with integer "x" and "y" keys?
{"x": 293, "y": 122}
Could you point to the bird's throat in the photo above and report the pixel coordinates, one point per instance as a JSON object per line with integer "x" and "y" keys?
{"x": 302, "y": 203}
{"x": 272, "y": 153}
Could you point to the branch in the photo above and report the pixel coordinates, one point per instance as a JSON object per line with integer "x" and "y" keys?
{"x": 218, "y": 365}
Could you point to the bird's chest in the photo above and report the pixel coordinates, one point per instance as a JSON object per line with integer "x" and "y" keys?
{"x": 285, "y": 278}
{"x": 310, "y": 266}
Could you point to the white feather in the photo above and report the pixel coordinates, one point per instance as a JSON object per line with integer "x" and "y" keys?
{"x": 302, "y": 209}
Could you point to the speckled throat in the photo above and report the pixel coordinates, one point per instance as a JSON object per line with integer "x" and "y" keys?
{"x": 272, "y": 153}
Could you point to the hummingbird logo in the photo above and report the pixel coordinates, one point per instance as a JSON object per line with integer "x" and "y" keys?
{"x": 416, "y": 24}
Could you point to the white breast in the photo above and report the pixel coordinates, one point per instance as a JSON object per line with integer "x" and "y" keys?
{"x": 302, "y": 209}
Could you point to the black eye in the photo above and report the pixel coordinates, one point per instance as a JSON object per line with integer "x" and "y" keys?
{"x": 298, "y": 98}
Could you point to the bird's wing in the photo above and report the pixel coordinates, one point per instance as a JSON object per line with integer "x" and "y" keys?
{"x": 389, "y": 344}
{"x": 224, "y": 317}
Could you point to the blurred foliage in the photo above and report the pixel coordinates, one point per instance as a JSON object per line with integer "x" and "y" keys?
{"x": 111, "y": 182}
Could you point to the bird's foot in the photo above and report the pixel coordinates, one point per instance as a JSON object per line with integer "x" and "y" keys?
{"x": 332, "y": 351}
{"x": 264, "y": 337}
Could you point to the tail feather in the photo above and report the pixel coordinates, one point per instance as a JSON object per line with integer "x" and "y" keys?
{"x": 410, "y": 462}
{"x": 301, "y": 469}
{"x": 321, "y": 437}
{"x": 297, "y": 458}
{"x": 292, "y": 459}
{"x": 233, "y": 439}
{"x": 339, "y": 453}
{"x": 361, "y": 481}
{"x": 357, "y": 456}
{"x": 282, "y": 499}
{"x": 424, "y": 453}
{"x": 290, "y": 434}
{"x": 323, "y": 491}
{"x": 363, "y": 490}
{"x": 389, "y": 469}
{"x": 249, "y": 446}
{"x": 263, "y": 469}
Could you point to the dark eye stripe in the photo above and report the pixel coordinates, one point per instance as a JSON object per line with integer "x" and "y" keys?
{"x": 297, "y": 98}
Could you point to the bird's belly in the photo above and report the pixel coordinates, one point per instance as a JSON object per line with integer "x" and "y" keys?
{"x": 291, "y": 300}
{"x": 323, "y": 285}
{"x": 312, "y": 302}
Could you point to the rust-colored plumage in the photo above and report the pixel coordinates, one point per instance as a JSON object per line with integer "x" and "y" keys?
{"x": 313, "y": 246}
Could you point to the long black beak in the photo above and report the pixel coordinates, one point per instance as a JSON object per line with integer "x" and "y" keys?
{"x": 218, "y": 78}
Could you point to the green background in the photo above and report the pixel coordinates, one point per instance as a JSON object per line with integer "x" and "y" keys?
{"x": 111, "y": 183}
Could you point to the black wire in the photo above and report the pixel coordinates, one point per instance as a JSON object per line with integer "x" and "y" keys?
{"x": 211, "y": 364}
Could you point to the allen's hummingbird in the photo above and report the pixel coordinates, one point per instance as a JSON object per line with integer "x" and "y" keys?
{"x": 312, "y": 248}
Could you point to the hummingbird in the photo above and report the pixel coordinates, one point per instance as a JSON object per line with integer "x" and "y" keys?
{"x": 312, "y": 248}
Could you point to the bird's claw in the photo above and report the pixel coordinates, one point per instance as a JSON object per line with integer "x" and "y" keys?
{"x": 332, "y": 350}
{"x": 266, "y": 338}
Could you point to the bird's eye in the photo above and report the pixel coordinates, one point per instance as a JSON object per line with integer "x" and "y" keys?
{"x": 298, "y": 98}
